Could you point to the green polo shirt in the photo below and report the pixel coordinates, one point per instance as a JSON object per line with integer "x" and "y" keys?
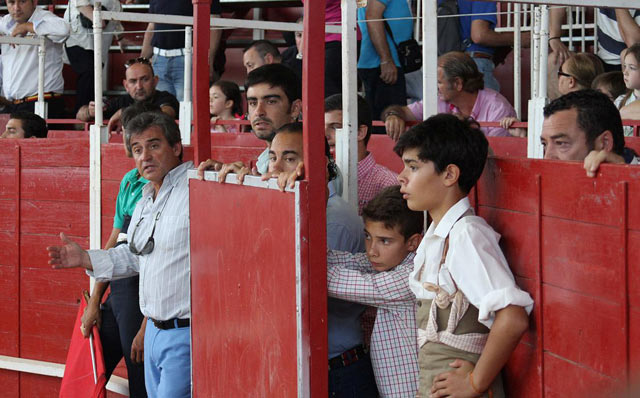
{"x": 128, "y": 196}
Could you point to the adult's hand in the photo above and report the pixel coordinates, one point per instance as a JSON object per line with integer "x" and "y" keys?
{"x": 238, "y": 168}
{"x": 69, "y": 255}
{"x": 22, "y": 29}
{"x": 91, "y": 316}
{"x": 388, "y": 72}
{"x": 395, "y": 126}
{"x": 286, "y": 179}
{"x": 561, "y": 51}
{"x": 137, "y": 346}
{"x": 208, "y": 164}
{"x": 455, "y": 383}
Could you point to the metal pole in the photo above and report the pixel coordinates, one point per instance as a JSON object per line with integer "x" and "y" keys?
{"x": 535, "y": 76}
{"x": 347, "y": 137}
{"x": 186, "y": 113}
{"x": 202, "y": 28}
{"x": 430, "y": 58}
{"x": 40, "y": 106}
{"x": 517, "y": 62}
{"x": 543, "y": 51}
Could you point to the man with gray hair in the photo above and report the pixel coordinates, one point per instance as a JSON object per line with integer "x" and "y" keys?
{"x": 158, "y": 250}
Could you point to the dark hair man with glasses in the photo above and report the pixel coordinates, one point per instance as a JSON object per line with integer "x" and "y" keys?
{"x": 140, "y": 83}
{"x": 158, "y": 250}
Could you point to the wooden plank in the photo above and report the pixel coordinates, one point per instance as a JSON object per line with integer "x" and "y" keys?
{"x": 508, "y": 146}
{"x": 8, "y": 282}
{"x": 504, "y": 184}
{"x": 10, "y": 382}
{"x": 46, "y": 334}
{"x": 9, "y": 328}
{"x": 575, "y": 258}
{"x": 32, "y": 385}
{"x": 8, "y": 153}
{"x": 634, "y": 198}
{"x": 578, "y": 327}
{"x": 634, "y": 337}
{"x": 68, "y": 152}
{"x": 233, "y": 154}
{"x": 520, "y": 375}
{"x": 7, "y": 182}
{"x": 518, "y": 231}
{"x": 381, "y": 146}
{"x": 59, "y": 183}
{"x": 8, "y": 248}
{"x": 633, "y": 257}
{"x": 109, "y": 194}
{"x": 41, "y": 284}
{"x": 7, "y": 215}
{"x": 33, "y": 251}
{"x": 42, "y": 217}
{"x": 564, "y": 379}
{"x": 115, "y": 164}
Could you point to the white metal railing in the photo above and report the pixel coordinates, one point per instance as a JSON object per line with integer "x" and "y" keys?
{"x": 40, "y": 105}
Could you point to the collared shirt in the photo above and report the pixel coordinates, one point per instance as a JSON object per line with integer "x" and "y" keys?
{"x": 262, "y": 163}
{"x": 490, "y": 106}
{"x": 159, "y": 98}
{"x": 345, "y": 232}
{"x": 474, "y": 263}
{"x": 20, "y": 63}
{"x": 128, "y": 196}
{"x": 610, "y": 42}
{"x": 164, "y": 273}
{"x": 372, "y": 178}
{"x": 83, "y": 37}
{"x": 394, "y": 352}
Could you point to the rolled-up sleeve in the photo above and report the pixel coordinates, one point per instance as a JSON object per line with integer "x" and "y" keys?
{"x": 112, "y": 264}
{"x": 54, "y": 28}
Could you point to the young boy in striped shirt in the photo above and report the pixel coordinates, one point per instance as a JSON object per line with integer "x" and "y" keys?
{"x": 379, "y": 278}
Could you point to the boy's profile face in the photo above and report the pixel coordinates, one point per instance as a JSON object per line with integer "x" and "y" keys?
{"x": 420, "y": 185}
{"x": 386, "y": 247}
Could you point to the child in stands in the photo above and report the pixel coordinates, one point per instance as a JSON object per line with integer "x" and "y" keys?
{"x": 610, "y": 84}
{"x": 225, "y": 103}
{"x": 631, "y": 71}
{"x": 379, "y": 278}
{"x": 471, "y": 314}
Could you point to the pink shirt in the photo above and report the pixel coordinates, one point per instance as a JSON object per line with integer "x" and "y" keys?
{"x": 372, "y": 178}
{"x": 490, "y": 106}
{"x": 333, "y": 15}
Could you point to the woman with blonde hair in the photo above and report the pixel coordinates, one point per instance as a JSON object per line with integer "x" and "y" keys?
{"x": 578, "y": 72}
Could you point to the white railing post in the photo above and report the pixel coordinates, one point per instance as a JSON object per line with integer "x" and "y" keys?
{"x": 40, "y": 107}
{"x": 538, "y": 78}
{"x": 186, "y": 108}
{"x": 430, "y": 58}
{"x": 517, "y": 61}
{"x": 544, "y": 50}
{"x": 347, "y": 136}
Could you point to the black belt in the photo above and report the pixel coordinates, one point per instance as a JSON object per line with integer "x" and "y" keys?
{"x": 348, "y": 357}
{"x": 171, "y": 323}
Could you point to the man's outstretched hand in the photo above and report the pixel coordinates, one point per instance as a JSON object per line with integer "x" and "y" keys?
{"x": 69, "y": 255}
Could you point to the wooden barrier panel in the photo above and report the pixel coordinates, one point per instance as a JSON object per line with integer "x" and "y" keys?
{"x": 248, "y": 291}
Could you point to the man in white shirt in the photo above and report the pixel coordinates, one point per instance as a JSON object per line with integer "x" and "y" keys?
{"x": 158, "y": 249}
{"x": 20, "y": 62}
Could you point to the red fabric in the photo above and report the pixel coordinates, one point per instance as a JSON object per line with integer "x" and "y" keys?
{"x": 77, "y": 381}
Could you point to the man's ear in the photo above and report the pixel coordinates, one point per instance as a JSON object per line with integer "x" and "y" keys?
{"x": 177, "y": 149}
{"x": 296, "y": 109}
{"x": 604, "y": 142}
{"x": 362, "y": 132}
{"x": 413, "y": 242}
{"x": 450, "y": 175}
{"x": 268, "y": 58}
{"x": 155, "y": 81}
{"x": 458, "y": 84}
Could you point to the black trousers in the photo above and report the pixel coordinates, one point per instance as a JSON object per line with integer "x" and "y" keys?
{"x": 121, "y": 320}
{"x": 380, "y": 95}
{"x": 55, "y": 108}
{"x": 82, "y": 63}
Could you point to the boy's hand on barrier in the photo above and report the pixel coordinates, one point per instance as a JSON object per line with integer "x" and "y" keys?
{"x": 70, "y": 255}
{"x": 285, "y": 179}
{"x": 595, "y": 158}
{"x": 208, "y": 164}
{"x": 455, "y": 383}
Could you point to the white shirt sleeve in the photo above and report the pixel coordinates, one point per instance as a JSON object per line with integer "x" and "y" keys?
{"x": 480, "y": 270}
{"x": 112, "y": 264}
{"x": 53, "y": 27}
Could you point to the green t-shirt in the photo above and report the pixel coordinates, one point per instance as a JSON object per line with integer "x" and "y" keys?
{"x": 128, "y": 196}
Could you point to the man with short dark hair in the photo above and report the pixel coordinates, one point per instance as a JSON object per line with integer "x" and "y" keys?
{"x": 461, "y": 91}
{"x": 158, "y": 249}
{"x": 585, "y": 126}
{"x": 24, "y": 124}
{"x": 140, "y": 83}
{"x": 258, "y": 53}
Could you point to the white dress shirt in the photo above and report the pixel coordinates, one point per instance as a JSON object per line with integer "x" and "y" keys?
{"x": 474, "y": 261}
{"x": 20, "y": 63}
{"x": 165, "y": 272}
{"x": 83, "y": 37}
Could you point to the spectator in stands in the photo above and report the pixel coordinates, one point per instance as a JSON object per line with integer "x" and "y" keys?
{"x": 372, "y": 177}
{"x": 631, "y": 73}
{"x": 292, "y": 56}
{"x": 225, "y": 103}
{"x": 585, "y": 126}
{"x": 350, "y": 371}
{"x": 610, "y": 84}
{"x": 258, "y": 53}
{"x": 617, "y": 28}
{"x": 477, "y": 22}
{"x": 578, "y": 72}
{"x": 460, "y": 91}
{"x": 273, "y": 100}
{"x": 23, "y": 124}
{"x": 79, "y": 45}
{"x": 379, "y": 67}
{"x": 140, "y": 83}
{"x": 167, "y": 47}
{"x": 158, "y": 250}
{"x": 20, "y": 62}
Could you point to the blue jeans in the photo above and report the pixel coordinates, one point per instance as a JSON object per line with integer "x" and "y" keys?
{"x": 353, "y": 381}
{"x": 170, "y": 72}
{"x": 167, "y": 362}
{"x": 486, "y": 67}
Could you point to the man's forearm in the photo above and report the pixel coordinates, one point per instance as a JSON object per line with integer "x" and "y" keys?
{"x": 556, "y": 16}
{"x": 147, "y": 50}
{"x": 401, "y": 111}
{"x": 379, "y": 39}
{"x": 629, "y": 29}
{"x": 98, "y": 291}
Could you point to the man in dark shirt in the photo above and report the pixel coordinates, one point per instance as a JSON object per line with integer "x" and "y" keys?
{"x": 167, "y": 48}
{"x": 140, "y": 83}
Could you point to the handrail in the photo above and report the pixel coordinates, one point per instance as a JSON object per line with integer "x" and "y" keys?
{"x": 40, "y": 106}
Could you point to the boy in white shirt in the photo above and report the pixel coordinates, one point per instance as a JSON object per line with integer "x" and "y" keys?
{"x": 471, "y": 313}
{"x": 379, "y": 278}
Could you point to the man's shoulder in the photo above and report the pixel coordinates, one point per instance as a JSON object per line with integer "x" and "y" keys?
{"x": 165, "y": 98}
{"x": 489, "y": 98}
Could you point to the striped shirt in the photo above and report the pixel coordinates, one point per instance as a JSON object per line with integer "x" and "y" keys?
{"x": 394, "y": 351}
{"x": 372, "y": 178}
{"x": 165, "y": 272}
{"x": 610, "y": 43}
